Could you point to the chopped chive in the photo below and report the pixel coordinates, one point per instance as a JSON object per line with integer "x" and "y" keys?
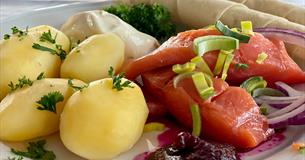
{"x": 205, "y": 91}
{"x": 263, "y": 109}
{"x": 154, "y": 126}
{"x": 226, "y": 66}
{"x": 182, "y": 76}
{"x": 202, "y": 65}
{"x": 187, "y": 67}
{"x": 241, "y": 66}
{"x": 228, "y": 32}
{"x": 196, "y": 117}
{"x": 261, "y": 58}
{"x": 253, "y": 83}
{"x": 220, "y": 61}
{"x": 246, "y": 27}
{"x": 210, "y": 43}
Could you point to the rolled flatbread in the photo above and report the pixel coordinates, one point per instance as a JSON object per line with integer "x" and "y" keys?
{"x": 279, "y": 8}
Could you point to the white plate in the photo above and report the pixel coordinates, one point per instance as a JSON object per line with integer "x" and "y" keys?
{"x": 55, "y": 16}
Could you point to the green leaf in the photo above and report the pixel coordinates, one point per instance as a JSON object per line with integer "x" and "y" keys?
{"x": 40, "y": 76}
{"x": 22, "y": 82}
{"x": 48, "y": 102}
{"x": 36, "y": 151}
{"x": 117, "y": 80}
{"x": 47, "y": 37}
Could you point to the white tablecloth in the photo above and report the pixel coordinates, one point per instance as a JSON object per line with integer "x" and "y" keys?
{"x": 13, "y": 7}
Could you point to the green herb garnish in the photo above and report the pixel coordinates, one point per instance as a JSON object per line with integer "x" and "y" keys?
{"x": 6, "y": 37}
{"x": 48, "y": 102}
{"x": 19, "y": 32}
{"x": 61, "y": 53}
{"x": 263, "y": 109}
{"x": 151, "y": 19}
{"x": 22, "y": 82}
{"x": 78, "y": 88}
{"x": 47, "y": 37}
{"x": 40, "y": 76}
{"x": 36, "y": 151}
{"x": 241, "y": 66}
{"x": 16, "y": 31}
{"x": 117, "y": 80}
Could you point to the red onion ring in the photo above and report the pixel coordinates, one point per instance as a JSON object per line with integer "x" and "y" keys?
{"x": 286, "y": 35}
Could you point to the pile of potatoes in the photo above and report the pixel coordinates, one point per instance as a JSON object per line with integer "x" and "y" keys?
{"x": 94, "y": 122}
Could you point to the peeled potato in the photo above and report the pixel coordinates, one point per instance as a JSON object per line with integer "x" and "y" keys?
{"x": 18, "y": 58}
{"x": 101, "y": 122}
{"x": 92, "y": 59}
{"x": 19, "y": 117}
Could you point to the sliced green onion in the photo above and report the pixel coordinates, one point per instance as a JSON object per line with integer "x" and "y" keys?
{"x": 235, "y": 30}
{"x": 253, "y": 83}
{"x": 202, "y": 65}
{"x": 261, "y": 58}
{"x": 221, "y": 61}
{"x": 153, "y": 126}
{"x": 228, "y": 32}
{"x": 209, "y": 80}
{"x": 246, "y": 27}
{"x": 202, "y": 86}
{"x": 241, "y": 66}
{"x": 182, "y": 76}
{"x": 264, "y": 109}
{"x": 226, "y": 66}
{"x": 210, "y": 43}
{"x": 196, "y": 117}
{"x": 187, "y": 67}
{"x": 210, "y": 27}
{"x": 267, "y": 92}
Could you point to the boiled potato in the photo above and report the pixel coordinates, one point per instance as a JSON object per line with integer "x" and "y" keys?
{"x": 101, "y": 122}
{"x": 19, "y": 117}
{"x": 92, "y": 58}
{"x": 18, "y": 58}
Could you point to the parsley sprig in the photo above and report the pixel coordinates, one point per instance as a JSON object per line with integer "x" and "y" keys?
{"x": 48, "y": 102}
{"x": 77, "y": 88}
{"x": 24, "y": 81}
{"x": 16, "y": 31}
{"x": 36, "y": 151}
{"x": 47, "y": 37}
{"x": 117, "y": 80}
{"x": 59, "y": 50}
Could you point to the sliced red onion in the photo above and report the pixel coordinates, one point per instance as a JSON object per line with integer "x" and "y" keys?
{"x": 276, "y": 100}
{"x": 286, "y": 116}
{"x": 286, "y": 35}
{"x": 289, "y": 90}
{"x": 289, "y": 108}
{"x": 299, "y": 87}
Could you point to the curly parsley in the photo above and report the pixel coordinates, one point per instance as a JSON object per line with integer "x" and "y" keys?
{"x": 117, "y": 80}
{"x": 153, "y": 19}
{"x": 48, "y": 102}
{"x": 47, "y": 37}
{"x": 18, "y": 32}
{"x": 24, "y": 81}
{"x": 36, "y": 151}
